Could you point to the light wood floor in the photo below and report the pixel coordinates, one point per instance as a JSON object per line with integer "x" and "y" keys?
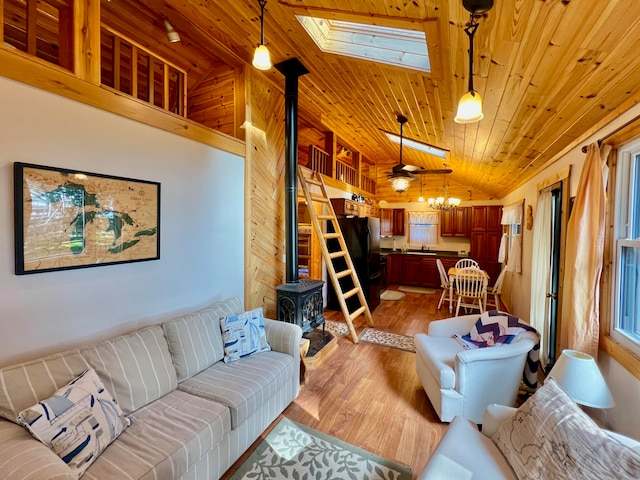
{"x": 370, "y": 395}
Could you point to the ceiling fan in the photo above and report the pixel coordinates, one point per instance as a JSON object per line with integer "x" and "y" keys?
{"x": 402, "y": 174}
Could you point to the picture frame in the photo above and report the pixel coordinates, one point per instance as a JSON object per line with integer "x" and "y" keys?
{"x": 68, "y": 219}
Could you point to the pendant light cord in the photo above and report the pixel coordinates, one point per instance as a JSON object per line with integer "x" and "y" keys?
{"x": 470, "y": 30}
{"x": 262, "y": 3}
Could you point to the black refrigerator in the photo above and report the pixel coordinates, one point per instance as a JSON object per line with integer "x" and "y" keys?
{"x": 362, "y": 236}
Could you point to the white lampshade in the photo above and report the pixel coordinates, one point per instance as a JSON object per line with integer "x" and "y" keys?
{"x": 400, "y": 184}
{"x": 469, "y": 108}
{"x": 579, "y": 376}
{"x": 262, "y": 58}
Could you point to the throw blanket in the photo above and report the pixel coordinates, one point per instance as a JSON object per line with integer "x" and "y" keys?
{"x": 494, "y": 328}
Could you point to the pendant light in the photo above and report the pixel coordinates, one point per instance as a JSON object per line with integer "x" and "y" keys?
{"x": 261, "y": 57}
{"x": 470, "y": 105}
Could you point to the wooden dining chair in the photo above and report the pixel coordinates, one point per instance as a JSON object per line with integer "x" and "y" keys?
{"x": 471, "y": 288}
{"x": 495, "y": 291}
{"x": 444, "y": 283}
{"x": 466, "y": 262}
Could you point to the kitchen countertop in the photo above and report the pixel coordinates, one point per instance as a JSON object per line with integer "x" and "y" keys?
{"x": 426, "y": 253}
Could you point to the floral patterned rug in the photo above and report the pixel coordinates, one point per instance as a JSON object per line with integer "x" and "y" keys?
{"x": 294, "y": 451}
{"x": 388, "y": 339}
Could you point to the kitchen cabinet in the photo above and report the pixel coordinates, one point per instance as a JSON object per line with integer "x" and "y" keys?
{"x": 393, "y": 269}
{"x": 391, "y": 221}
{"x": 410, "y": 270}
{"x": 486, "y": 234}
{"x": 344, "y": 206}
{"x": 455, "y": 222}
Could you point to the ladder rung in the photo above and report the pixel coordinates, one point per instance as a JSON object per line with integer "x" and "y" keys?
{"x": 332, "y": 235}
{"x": 339, "y": 254}
{"x": 326, "y": 217}
{"x": 344, "y": 273}
{"x": 316, "y": 198}
{"x": 358, "y": 312}
{"x": 313, "y": 181}
{"x": 351, "y": 293}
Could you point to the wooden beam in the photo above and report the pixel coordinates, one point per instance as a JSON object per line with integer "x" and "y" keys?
{"x": 86, "y": 32}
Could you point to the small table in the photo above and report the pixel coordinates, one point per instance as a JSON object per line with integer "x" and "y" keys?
{"x": 452, "y": 272}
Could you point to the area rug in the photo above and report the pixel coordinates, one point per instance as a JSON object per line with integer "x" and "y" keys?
{"x": 388, "y": 339}
{"x": 416, "y": 289}
{"x": 337, "y": 329}
{"x": 296, "y": 452}
{"x": 391, "y": 295}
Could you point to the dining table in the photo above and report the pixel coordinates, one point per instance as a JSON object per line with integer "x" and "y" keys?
{"x": 453, "y": 272}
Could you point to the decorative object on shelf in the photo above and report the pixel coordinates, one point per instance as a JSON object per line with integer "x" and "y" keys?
{"x": 261, "y": 57}
{"x": 470, "y": 105}
{"x": 172, "y": 35}
{"x": 444, "y": 202}
{"x": 579, "y": 376}
{"x": 67, "y": 219}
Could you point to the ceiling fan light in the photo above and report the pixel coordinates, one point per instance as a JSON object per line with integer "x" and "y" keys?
{"x": 400, "y": 184}
{"x": 421, "y": 198}
{"x": 469, "y": 108}
{"x": 262, "y": 58}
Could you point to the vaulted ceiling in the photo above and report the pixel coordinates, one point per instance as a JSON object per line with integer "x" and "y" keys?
{"x": 547, "y": 70}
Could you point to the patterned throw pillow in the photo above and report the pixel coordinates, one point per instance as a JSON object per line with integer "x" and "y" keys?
{"x": 551, "y": 437}
{"x": 77, "y": 422}
{"x": 243, "y": 335}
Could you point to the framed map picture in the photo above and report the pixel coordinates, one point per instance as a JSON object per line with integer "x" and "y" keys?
{"x": 68, "y": 219}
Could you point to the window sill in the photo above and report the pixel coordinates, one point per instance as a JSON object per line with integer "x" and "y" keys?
{"x": 622, "y": 355}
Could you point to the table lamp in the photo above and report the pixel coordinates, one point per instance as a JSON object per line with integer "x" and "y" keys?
{"x": 579, "y": 376}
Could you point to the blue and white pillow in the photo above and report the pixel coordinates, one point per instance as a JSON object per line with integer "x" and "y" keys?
{"x": 77, "y": 422}
{"x": 243, "y": 335}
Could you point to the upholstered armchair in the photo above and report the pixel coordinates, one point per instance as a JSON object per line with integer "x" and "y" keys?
{"x": 463, "y": 382}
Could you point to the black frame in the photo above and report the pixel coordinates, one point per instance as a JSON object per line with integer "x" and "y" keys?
{"x": 73, "y": 253}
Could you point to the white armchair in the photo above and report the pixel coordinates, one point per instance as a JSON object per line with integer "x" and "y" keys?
{"x": 463, "y": 382}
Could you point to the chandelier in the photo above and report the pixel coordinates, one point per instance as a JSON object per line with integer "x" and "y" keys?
{"x": 444, "y": 202}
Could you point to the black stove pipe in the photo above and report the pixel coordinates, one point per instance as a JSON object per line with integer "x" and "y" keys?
{"x": 291, "y": 69}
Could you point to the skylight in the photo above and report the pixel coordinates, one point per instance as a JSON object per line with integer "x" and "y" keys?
{"x": 393, "y": 46}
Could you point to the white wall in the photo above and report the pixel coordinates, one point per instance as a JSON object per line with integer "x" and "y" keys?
{"x": 624, "y": 386}
{"x": 201, "y": 238}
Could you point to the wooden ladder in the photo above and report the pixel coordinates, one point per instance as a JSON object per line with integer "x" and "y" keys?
{"x": 308, "y": 180}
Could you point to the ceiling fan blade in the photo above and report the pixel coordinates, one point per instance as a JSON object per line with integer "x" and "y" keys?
{"x": 425, "y": 171}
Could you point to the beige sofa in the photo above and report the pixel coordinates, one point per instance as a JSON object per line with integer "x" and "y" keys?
{"x": 192, "y": 415}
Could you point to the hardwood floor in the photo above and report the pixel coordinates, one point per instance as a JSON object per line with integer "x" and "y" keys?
{"x": 369, "y": 395}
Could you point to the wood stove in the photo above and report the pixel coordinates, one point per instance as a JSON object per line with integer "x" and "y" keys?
{"x": 299, "y": 301}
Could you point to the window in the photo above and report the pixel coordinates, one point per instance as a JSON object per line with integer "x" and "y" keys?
{"x": 423, "y": 228}
{"x": 510, "y": 252}
{"x": 626, "y": 302}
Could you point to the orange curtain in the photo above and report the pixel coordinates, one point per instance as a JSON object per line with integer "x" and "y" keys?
{"x": 584, "y": 252}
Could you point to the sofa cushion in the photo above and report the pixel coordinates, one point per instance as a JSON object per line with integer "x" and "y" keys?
{"x": 465, "y": 453}
{"x": 244, "y": 385}
{"x": 77, "y": 422}
{"x": 439, "y": 356}
{"x": 27, "y": 383}
{"x": 551, "y": 437}
{"x": 194, "y": 341}
{"x": 136, "y": 368}
{"x": 243, "y": 335}
{"x": 165, "y": 439}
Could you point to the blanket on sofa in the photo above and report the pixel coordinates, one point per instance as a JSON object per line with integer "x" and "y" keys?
{"x": 494, "y": 328}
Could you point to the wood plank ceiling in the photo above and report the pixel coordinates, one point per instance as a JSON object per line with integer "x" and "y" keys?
{"x": 547, "y": 71}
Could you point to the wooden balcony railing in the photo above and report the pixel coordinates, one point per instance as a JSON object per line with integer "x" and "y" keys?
{"x": 367, "y": 184}
{"x": 320, "y": 161}
{"x": 346, "y": 174}
{"x": 132, "y": 69}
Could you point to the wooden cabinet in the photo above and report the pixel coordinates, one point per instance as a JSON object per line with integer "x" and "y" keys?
{"x": 344, "y": 206}
{"x": 367, "y": 210}
{"x": 455, "y": 222}
{"x": 486, "y": 234}
{"x": 410, "y": 271}
{"x": 391, "y": 221}
{"x": 393, "y": 269}
{"x": 429, "y": 276}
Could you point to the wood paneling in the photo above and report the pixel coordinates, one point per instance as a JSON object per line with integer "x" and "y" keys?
{"x": 212, "y": 102}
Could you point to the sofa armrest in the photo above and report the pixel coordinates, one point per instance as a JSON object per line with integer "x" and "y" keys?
{"x": 494, "y": 416}
{"x": 25, "y": 458}
{"x": 283, "y": 337}
{"x": 448, "y": 326}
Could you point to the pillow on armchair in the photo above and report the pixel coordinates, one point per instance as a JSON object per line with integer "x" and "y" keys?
{"x": 551, "y": 437}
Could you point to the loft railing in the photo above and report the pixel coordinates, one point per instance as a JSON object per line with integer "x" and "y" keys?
{"x": 130, "y": 68}
{"x": 320, "y": 161}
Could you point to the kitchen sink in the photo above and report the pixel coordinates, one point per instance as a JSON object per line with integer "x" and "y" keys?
{"x": 432, "y": 254}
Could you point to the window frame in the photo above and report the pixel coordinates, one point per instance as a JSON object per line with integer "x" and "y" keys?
{"x": 627, "y": 181}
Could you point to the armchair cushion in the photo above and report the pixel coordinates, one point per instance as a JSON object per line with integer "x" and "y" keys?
{"x": 551, "y": 437}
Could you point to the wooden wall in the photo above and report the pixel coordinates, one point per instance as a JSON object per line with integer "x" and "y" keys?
{"x": 264, "y": 194}
{"x": 212, "y": 101}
